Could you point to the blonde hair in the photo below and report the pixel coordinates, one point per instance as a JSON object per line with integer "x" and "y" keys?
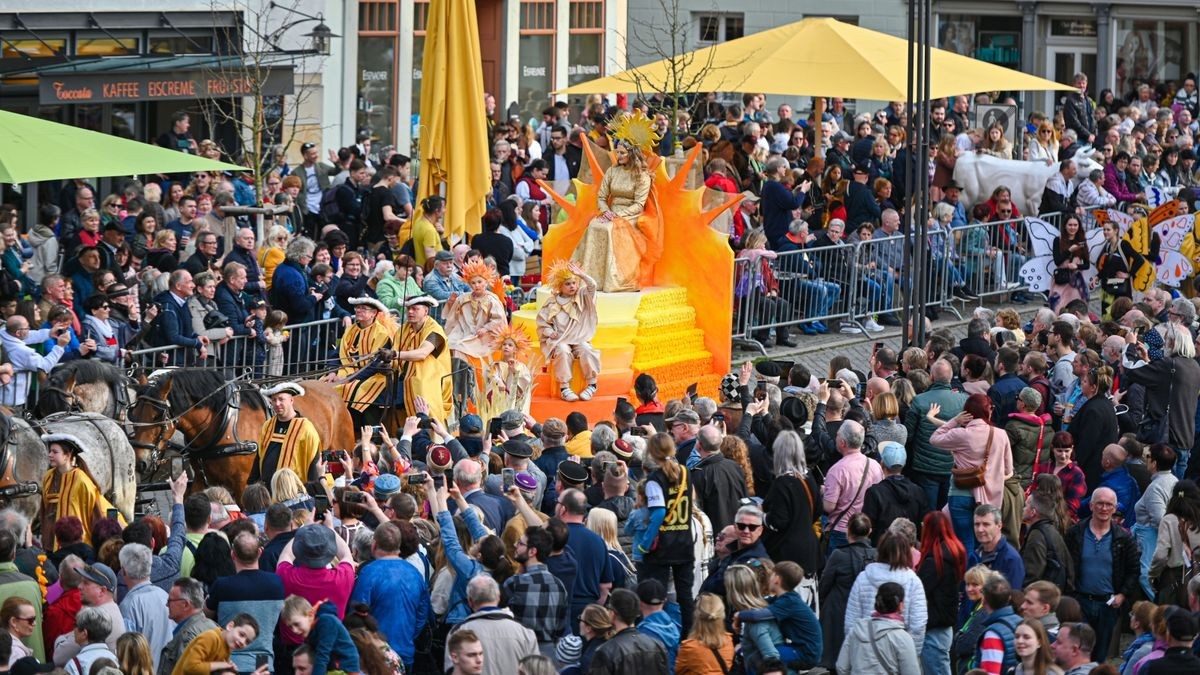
{"x": 885, "y": 405}
{"x": 133, "y": 654}
{"x": 742, "y": 589}
{"x": 979, "y": 575}
{"x": 285, "y": 485}
{"x": 604, "y": 523}
{"x": 661, "y": 451}
{"x": 161, "y": 237}
{"x": 708, "y": 623}
{"x": 295, "y": 605}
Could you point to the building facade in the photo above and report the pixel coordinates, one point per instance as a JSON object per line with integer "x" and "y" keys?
{"x": 1116, "y": 44}
{"x": 529, "y": 48}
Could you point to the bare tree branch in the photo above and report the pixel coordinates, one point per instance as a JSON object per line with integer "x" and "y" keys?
{"x": 260, "y": 120}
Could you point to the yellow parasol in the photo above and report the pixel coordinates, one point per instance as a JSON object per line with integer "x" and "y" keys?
{"x": 454, "y": 142}
{"x": 816, "y": 57}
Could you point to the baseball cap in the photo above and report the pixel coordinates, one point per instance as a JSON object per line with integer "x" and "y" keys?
{"x": 102, "y": 575}
{"x": 892, "y": 454}
{"x": 749, "y": 196}
{"x": 29, "y": 665}
{"x": 652, "y": 592}
{"x": 470, "y": 424}
{"x": 307, "y": 146}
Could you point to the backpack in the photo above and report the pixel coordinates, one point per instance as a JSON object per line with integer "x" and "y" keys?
{"x": 330, "y": 210}
{"x": 1055, "y": 572}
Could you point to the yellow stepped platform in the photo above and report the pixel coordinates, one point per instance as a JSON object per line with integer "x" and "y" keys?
{"x": 652, "y": 331}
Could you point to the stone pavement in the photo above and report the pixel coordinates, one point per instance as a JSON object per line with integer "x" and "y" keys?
{"x": 815, "y": 351}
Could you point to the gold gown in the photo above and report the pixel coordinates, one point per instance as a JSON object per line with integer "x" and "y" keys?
{"x": 508, "y": 386}
{"x": 620, "y": 253}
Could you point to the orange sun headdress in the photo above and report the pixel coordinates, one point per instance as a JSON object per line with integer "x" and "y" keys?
{"x": 559, "y": 273}
{"x": 519, "y": 337}
{"x": 478, "y": 269}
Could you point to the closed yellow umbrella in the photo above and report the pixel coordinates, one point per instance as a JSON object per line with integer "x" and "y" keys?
{"x": 454, "y": 142}
{"x": 815, "y": 57}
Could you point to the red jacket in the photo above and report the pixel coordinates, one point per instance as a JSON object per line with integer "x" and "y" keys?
{"x": 722, "y": 183}
{"x": 60, "y": 617}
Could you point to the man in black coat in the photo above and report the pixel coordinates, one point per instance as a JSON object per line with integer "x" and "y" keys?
{"x": 976, "y": 342}
{"x": 1179, "y": 659}
{"x": 561, "y": 154}
{"x": 242, "y": 252}
{"x": 174, "y": 327}
{"x": 861, "y": 206}
{"x": 718, "y": 481}
{"x": 895, "y": 496}
{"x": 1079, "y": 112}
{"x": 1094, "y": 425}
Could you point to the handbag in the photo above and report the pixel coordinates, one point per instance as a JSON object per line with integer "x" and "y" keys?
{"x": 216, "y": 319}
{"x": 1062, "y": 276}
{"x": 970, "y": 477}
{"x": 816, "y": 526}
{"x": 1158, "y": 430}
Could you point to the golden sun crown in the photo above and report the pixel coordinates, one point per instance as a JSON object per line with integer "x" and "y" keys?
{"x": 478, "y": 269}
{"x": 517, "y": 334}
{"x": 635, "y": 129}
{"x": 560, "y": 272}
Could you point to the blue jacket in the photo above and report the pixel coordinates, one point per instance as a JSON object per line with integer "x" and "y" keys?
{"x": 331, "y": 643}
{"x": 465, "y": 567}
{"x": 250, "y": 262}
{"x": 1004, "y": 397}
{"x": 778, "y": 202}
{"x": 289, "y": 292}
{"x": 399, "y": 600}
{"x": 174, "y": 327}
{"x": 231, "y": 305}
{"x": 1004, "y": 559}
{"x": 861, "y": 206}
{"x": 1120, "y": 482}
{"x": 797, "y": 623}
{"x": 1002, "y": 622}
{"x": 663, "y": 628}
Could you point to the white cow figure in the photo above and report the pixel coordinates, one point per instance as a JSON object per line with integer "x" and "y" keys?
{"x": 980, "y": 174}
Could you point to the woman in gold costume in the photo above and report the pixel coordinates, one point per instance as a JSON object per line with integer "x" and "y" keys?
{"x": 622, "y": 244}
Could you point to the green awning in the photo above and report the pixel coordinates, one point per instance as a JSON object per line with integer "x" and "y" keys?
{"x": 33, "y": 149}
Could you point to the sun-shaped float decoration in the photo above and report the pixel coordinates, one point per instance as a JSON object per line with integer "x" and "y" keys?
{"x": 678, "y": 327}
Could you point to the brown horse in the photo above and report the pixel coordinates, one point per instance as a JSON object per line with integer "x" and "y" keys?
{"x": 221, "y": 421}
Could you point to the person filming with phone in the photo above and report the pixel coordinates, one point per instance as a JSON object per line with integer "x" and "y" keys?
{"x": 287, "y": 440}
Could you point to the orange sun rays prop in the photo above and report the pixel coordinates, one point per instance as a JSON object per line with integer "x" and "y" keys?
{"x": 695, "y": 256}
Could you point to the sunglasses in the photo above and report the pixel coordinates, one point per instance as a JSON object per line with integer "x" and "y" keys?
{"x": 746, "y": 527}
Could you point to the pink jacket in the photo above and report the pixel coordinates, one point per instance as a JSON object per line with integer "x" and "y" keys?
{"x": 967, "y": 444}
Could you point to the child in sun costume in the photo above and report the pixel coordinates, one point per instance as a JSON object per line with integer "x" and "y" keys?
{"x": 621, "y": 245}
{"x": 566, "y": 325}
{"x": 509, "y": 380}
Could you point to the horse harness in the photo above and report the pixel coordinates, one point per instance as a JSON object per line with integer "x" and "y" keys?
{"x": 10, "y": 487}
{"x": 230, "y": 414}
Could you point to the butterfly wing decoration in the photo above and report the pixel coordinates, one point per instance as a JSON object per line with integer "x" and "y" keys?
{"x": 1174, "y": 233}
{"x": 1156, "y": 197}
{"x": 1038, "y": 271}
{"x": 1122, "y": 219}
{"x": 1095, "y": 246}
{"x": 1142, "y": 239}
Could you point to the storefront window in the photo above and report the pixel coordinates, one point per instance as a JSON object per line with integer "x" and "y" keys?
{"x": 88, "y": 46}
{"x": 1151, "y": 52}
{"x": 995, "y": 39}
{"x": 536, "y": 74}
{"x": 376, "y": 87}
{"x": 586, "y": 53}
{"x": 181, "y": 45}
{"x": 18, "y": 48}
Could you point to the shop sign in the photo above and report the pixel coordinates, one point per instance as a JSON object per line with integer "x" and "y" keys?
{"x": 160, "y": 86}
{"x": 1072, "y": 28}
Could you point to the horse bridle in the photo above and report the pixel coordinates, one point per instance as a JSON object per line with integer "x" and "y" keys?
{"x": 212, "y": 450}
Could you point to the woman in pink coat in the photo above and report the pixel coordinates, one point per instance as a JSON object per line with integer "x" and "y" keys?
{"x": 966, "y": 437}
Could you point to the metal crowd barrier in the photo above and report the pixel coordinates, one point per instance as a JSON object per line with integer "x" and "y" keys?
{"x": 864, "y": 282}
{"x": 308, "y": 348}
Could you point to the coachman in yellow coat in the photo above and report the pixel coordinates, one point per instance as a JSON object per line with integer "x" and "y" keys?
{"x": 363, "y": 378}
{"x": 287, "y": 440}
{"x": 424, "y": 359}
